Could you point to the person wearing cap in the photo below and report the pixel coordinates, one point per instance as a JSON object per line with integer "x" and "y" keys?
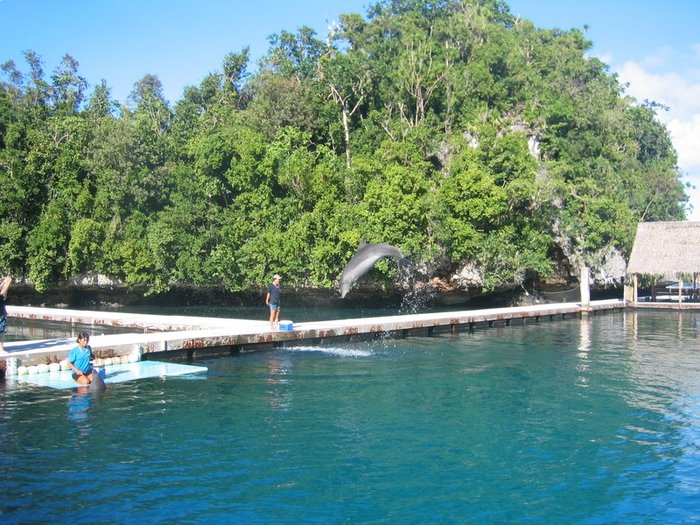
{"x": 272, "y": 300}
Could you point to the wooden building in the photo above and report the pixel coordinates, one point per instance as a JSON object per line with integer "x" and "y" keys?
{"x": 666, "y": 251}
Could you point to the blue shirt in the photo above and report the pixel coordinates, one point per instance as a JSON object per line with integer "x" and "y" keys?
{"x": 80, "y": 357}
{"x": 275, "y": 294}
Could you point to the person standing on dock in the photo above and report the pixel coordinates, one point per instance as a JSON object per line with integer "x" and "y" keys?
{"x": 272, "y": 300}
{"x": 3, "y": 312}
{"x": 79, "y": 360}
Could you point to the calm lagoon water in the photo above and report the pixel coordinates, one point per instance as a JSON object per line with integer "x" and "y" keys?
{"x": 572, "y": 421}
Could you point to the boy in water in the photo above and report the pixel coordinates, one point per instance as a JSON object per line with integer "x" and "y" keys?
{"x": 80, "y": 360}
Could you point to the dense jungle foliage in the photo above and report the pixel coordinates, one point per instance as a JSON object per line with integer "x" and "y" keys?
{"x": 469, "y": 138}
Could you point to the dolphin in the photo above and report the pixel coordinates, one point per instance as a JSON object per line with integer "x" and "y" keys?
{"x": 364, "y": 259}
{"x": 97, "y": 386}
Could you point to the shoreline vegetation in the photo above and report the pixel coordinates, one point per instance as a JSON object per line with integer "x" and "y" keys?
{"x": 363, "y": 296}
{"x": 492, "y": 153}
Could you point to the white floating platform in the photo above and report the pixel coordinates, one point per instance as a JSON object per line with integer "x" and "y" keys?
{"x": 115, "y": 374}
{"x": 211, "y": 335}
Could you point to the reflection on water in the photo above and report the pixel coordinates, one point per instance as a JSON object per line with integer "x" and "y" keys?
{"x": 79, "y": 412}
{"x": 279, "y": 370}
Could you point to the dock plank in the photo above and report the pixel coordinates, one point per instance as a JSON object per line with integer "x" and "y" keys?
{"x": 178, "y": 334}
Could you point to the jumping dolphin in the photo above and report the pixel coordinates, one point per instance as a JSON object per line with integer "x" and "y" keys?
{"x": 364, "y": 259}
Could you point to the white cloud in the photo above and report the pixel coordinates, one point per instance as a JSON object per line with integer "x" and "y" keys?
{"x": 679, "y": 90}
{"x": 605, "y": 59}
{"x": 685, "y": 134}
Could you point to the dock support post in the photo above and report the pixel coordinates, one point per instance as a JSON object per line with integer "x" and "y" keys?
{"x": 585, "y": 289}
{"x": 630, "y": 293}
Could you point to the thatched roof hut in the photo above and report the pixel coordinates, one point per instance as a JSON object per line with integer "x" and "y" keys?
{"x": 669, "y": 250}
{"x": 666, "y": 249}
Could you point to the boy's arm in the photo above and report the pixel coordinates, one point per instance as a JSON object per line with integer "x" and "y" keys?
{"x": 5, "y": 285}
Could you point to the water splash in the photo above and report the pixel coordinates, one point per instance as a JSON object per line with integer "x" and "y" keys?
{"x": 420, "y": 293}
{"x": 333, "y": 350}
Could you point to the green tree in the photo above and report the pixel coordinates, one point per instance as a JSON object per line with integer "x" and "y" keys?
{"x": 462, "y": 134}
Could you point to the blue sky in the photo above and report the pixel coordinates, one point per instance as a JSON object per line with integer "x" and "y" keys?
{"x": 653, "y": 45}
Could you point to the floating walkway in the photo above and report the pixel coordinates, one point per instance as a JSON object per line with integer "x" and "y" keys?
{"x": 180, "y": 338}
{"x": 115, "y": 373}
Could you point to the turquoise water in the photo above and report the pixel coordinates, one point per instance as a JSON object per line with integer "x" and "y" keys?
{"x": 586, "y": 422}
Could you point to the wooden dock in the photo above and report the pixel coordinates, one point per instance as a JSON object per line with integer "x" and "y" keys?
{"x": 177, "y": 338}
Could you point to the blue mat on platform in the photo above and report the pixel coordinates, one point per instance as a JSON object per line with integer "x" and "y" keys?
{"x": 114, "y": 374}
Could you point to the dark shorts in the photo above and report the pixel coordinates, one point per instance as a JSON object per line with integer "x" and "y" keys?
{"x": 76, "y": 376}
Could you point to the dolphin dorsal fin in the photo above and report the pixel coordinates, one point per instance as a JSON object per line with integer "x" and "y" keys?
{"x": 362, "y": 242}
